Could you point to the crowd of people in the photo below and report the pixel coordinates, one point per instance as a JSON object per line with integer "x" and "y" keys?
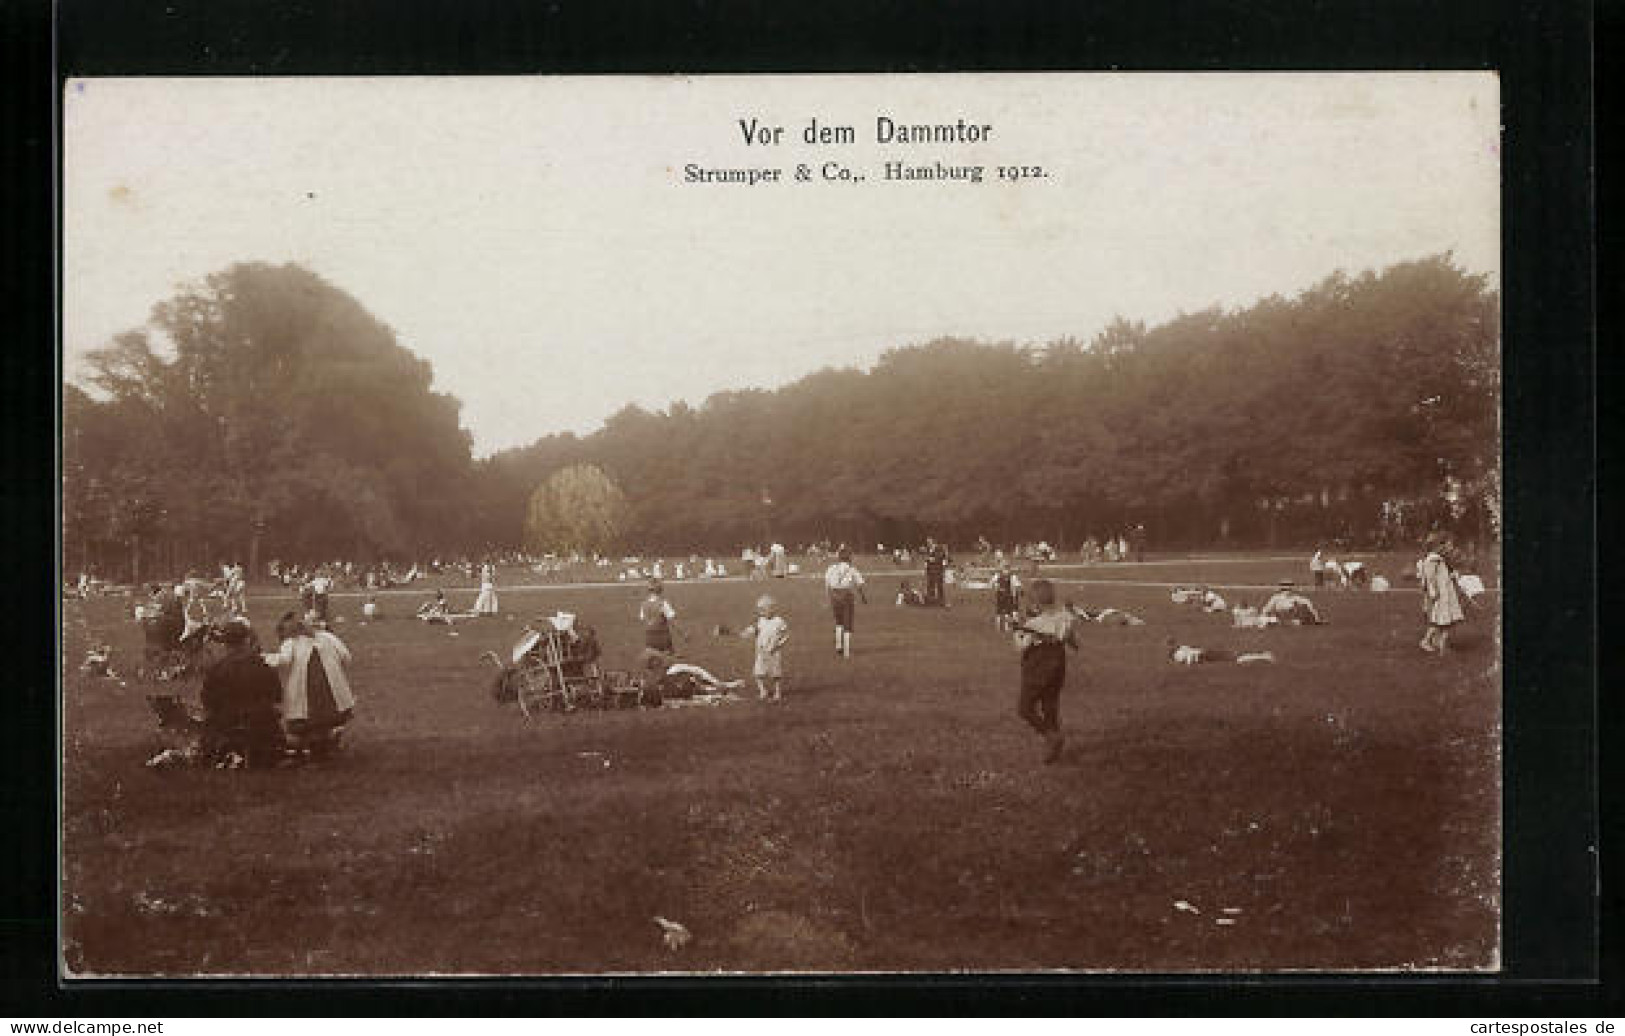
{"x": 266, "y": 707}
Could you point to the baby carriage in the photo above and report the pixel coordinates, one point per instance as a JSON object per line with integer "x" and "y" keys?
{"x": 555, "y": 668}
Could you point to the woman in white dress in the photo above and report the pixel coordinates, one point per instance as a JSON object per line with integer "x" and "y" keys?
{"x": 486, "y": 603}
{"x": 1441, "y": 604}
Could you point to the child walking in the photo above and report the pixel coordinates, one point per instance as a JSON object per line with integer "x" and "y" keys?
{"x": 1043, "y": 639}
{"x": 772, "y": 632}
{"x": 845, "y": 585}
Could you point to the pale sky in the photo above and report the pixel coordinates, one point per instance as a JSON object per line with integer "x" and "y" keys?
{"x": 535, "y": 240}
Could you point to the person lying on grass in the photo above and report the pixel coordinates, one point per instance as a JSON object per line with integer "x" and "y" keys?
{"x": 681, "y": 679}
{"x": 1184, "y": 654}
{"x": 1105, "y": 616}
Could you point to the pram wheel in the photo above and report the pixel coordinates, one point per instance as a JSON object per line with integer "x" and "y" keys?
{"x": 540, "y": 693}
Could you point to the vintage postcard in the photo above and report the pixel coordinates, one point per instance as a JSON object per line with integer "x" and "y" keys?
{"x": 557, "y": 526}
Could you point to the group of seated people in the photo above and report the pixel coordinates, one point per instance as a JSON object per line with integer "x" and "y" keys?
{"x": 259, "y": 708}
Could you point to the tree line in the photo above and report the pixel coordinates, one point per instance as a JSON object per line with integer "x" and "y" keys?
{"x": 1291, "y": 420}
{"x": 265, "y": 413}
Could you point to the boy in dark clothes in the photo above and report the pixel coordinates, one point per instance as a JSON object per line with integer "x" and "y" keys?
{"x": 1043, "y": 639}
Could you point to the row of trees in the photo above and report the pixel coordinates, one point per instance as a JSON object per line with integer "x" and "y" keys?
{"x": 1296, "y": 418}
{"x": 266, "y": 413}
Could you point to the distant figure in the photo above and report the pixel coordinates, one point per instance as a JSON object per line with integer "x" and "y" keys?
{"x": 1441, "y": 604}
{"x": 486, "y": 602}
{"x": 771, "y": 633}
{"x": 236, "y": 591}
{"x": 778, "y": 561}
{"x": 845, "y": 586}
{"x": 435, "y": 610}
{"x": 936, "y": 566}
{"x": 369, "y": 611}
{"x": 1317, "y": 569}
{"x": 909, "y": 597}
{"x": 1043, "y": 639}
{"x": 1006, "y": 596}
{"x": 321, "y": 589}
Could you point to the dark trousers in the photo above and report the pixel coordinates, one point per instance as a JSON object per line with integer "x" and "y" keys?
{"x": 933, "y": 584}
{"x": 1043, "y": 673}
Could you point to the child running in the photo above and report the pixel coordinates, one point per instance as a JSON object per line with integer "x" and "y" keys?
{"x": 1043, "y": 639}
{"x": 772, "y": 632}
{"x": 845, "y": 585}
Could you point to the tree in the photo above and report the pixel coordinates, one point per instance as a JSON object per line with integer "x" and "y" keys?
{"x": 266, "y": 399}
{"x": 578, "y": 509}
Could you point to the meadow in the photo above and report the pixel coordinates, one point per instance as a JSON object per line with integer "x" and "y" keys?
{"x": 1336, "y": 810}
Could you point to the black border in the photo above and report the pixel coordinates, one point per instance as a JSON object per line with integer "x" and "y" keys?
{"x": 1543, "y": 52}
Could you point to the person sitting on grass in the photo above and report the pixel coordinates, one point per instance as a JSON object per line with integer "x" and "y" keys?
{"x": 240, "y": 698}
{"x": 1290, "y": 607}
{"x": 908, "y": 596}
{"x": 436, "y": 611}
{"x": 771, "y": 633}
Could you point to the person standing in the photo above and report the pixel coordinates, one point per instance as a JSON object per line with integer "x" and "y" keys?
{"x": 1441, "y": 604}
{"x": 936, "y": 566}
{"x": 486, "y": 602}
{"x": 771, "y": 633}
{"x": 1043, "y": 639}
{"x": 236, "y": 591}
{"x": 845, "y": 585}
{"x": 1006, "y": 596}
{"x": 657, "y": 615}
{"x": 321, "y": 589}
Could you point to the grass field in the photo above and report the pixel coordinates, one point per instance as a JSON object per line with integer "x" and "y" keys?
{"x": 1339, "y": 809}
